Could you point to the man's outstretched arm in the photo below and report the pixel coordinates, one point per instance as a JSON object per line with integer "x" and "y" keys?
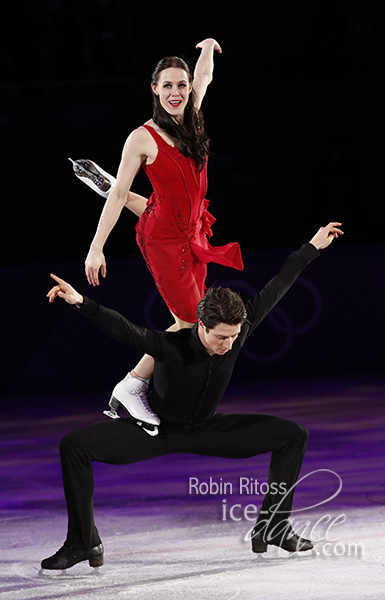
{"x": 260, "y": 306}
{"x": 109, "y": 321}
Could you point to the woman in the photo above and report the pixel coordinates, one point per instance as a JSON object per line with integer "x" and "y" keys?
{"x": 174, "y": 223}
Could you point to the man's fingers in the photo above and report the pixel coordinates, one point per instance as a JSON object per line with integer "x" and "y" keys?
{"x": 325, "y": 235}
{"x": 56, "y": 288}
{"x": 332, "y": 229}
{"x": 56, "y": 278}
{"x": 53, "y": 293}
{"x": 334, "y": 226}
{"x": 63, "y": 289}
{"x": 335, "y": 232}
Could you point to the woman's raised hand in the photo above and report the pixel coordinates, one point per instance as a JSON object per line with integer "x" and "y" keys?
{"x": 209, "y": 42}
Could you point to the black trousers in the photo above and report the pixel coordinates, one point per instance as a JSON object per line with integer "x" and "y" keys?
{"x": 229, "y": 436}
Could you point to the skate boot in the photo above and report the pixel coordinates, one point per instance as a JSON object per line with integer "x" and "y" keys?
{"x": 68, "y": 556}
{"x": 287, "y": 540}
{"x": 92, "y": 175}
{"x": 130, "y": 394}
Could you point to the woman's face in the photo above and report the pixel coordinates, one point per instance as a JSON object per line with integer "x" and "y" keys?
{"x": 173, "y": 89}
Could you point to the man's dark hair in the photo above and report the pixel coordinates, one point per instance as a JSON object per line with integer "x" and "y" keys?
{"x": 221, "y": 305}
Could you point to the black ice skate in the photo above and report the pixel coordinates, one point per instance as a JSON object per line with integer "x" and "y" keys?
{"x": 67, "y": 556}
{"x": 130, "y": 394}
{"x": 287, "y": 540}
{"x": 92, "y": 175}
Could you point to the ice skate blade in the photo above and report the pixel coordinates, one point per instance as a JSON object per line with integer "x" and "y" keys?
{"x": 276, "y": 555}
{"x": 90, "y": 170}
{"x": 63, "y": 573}
{"x": 92, "y": 175}
{"x": 111, "y": 413}
{"x": 116, "y": 405}
{"x": 150, "y": 430}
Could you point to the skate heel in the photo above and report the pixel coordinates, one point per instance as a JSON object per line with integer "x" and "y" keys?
{"x": 96, "y": 561}
{"x": 114, "y": 403}
{"x": 258, "y": 545}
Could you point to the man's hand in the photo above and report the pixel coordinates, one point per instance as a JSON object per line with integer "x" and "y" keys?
{"x": 325, "y": 235}
{"x": 64, "y": 290}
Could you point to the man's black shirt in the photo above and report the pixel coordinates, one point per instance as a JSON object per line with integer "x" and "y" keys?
{"x": 188, "y": 383}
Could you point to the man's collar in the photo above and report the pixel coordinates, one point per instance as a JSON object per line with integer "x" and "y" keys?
{"x": 197, "y": 342}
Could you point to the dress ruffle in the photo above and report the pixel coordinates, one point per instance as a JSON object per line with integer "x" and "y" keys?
{"x": 228, "y": 255}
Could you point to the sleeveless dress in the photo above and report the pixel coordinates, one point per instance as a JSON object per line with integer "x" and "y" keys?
{"x": 173, "y": 230}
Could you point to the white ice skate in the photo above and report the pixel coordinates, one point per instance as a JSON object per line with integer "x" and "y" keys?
{"x": 92, "y": 175}
{"x": 130, "y": 394}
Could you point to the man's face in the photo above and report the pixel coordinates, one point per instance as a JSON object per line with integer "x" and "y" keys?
{"x": 220, "y": 339}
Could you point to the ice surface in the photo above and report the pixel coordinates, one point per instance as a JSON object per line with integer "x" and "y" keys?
{"x": 167, "y": 558}
{"x": 163, "y": 543}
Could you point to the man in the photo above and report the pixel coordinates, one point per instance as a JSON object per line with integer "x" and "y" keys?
{"x": 192, "y": 370}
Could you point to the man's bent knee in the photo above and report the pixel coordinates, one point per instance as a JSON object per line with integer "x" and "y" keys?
{"x": 68, "y": 444}
{"x": 302, "y": 433}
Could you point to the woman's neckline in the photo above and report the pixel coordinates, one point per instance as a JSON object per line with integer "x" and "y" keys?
{"x": 151, "y": 124}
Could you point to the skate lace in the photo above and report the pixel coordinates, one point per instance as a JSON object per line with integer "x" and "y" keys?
{"x": 141, "y": 396}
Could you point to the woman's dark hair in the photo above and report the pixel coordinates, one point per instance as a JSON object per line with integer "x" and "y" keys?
{"x": 190, "y": 137}
{"x": 221, "y": 305}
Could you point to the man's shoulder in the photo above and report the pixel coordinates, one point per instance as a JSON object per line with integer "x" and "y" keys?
{"x": 181, "y": 336}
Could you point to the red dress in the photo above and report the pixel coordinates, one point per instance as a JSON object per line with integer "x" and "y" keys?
{"x": 173, "y": 229}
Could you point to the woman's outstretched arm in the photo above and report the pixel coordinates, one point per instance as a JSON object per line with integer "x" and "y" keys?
{"x": 203, "y": 72}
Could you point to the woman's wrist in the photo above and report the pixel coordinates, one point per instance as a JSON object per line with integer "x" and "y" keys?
{"x": 96, "y": 247}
